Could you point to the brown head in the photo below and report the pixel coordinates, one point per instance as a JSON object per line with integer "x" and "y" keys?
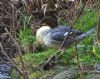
{"x": 50, "y": 21}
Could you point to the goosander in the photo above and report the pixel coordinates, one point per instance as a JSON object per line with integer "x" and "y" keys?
{"x": 52, "y": 34}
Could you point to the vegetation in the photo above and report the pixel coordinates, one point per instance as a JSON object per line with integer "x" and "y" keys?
{"x": 30, "y": 56}
{"x": 87, "y": 54}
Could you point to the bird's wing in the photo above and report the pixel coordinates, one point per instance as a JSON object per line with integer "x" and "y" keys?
{"x": 67, "y": 29}
{"x": 58, "y": 36}
{"x": 58, "y": 32}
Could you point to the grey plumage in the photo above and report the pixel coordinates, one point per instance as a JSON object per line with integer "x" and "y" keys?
{"x": 58, "y": 32}
{"x": 53, "y": 34}
{"x": 55, "y": 37}
{"x": 82, "y": 36}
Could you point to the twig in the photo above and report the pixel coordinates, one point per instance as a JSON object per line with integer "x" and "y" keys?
{"x": 13, "y": 21}
{"x": 98, "y": 27}
{"x": 78, "y": 61}
{"x": 3, "y": 52}
{"x": 72, "y": 27}
{"x": 25, "y": 74}
{"x": 10, "y": 59}
{"x": 59, "y": 51}
{"x": 91, "y": 72}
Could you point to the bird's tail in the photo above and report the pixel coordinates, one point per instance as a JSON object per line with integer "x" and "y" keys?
{"x": 81, "y": 37}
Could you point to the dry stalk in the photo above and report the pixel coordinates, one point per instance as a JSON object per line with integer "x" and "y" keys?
{"x": 13, "y": 22}
{"x": 61, "y": 51}
{"x": 24, "y": 69}
{"x": 78, "y": 62}
{"x": 12, "y": 62}
{"x": 98, "y": 27}
{"x": 3, "y": 52}
{"x": 72, "y": 25}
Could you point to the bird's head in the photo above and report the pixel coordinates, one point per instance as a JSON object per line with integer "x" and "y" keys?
{"x": 47, "y": 24}
{"x": 50, "y": 21}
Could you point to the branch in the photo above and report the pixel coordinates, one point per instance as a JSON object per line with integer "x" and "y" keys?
{"x": 24, "y": 70}
{"x": 14, "y": 65}
{"x": 46, "y": 64}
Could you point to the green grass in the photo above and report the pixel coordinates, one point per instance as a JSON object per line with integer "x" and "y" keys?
{"x": 38, "y": 58}
{"x": 25, "y": 36}
{"x": 86, "y": 54}
{"x": 87, "y": 21}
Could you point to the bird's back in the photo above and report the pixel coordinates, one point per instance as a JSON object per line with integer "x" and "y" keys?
{"x": 56, "y": 36}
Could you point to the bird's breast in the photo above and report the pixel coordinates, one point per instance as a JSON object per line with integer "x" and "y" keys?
{"x": 41, "y": 33}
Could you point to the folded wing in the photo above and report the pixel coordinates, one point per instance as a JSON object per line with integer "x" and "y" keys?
{"x": 58, "y": 33}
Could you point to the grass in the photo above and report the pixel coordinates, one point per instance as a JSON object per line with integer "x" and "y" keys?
{"x": 38, "y": 58}
{"x": 86, "y": 53}
{"x": 87, "y": 21}
{"x": 25, "y": 36}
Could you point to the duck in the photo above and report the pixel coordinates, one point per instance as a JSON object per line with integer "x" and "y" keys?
{"x": 51, "y": 34}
